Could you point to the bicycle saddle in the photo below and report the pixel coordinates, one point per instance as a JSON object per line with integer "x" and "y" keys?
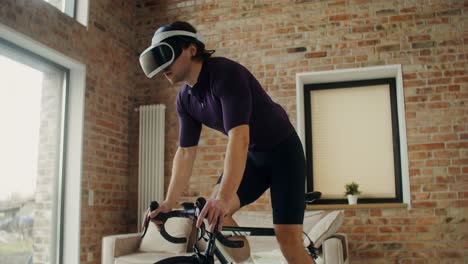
{"x": 312, "y": 197}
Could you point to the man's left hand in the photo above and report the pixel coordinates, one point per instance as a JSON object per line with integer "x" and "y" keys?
{"x": 214, "y": 211}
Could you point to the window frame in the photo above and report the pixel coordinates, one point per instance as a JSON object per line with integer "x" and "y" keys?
{"x": 391, "y": 82}
{"x": 77, "y": 9}
{"x": 359, "y": 74}
{"x": 70, "y": 8}
{"x": 69, "y": 248}
{"x": 40, "y": 63}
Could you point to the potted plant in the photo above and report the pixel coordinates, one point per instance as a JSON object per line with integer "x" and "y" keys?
{"x": 352, "y": 192}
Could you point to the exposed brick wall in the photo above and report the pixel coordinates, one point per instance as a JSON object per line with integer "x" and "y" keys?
{"x": 106, "y": 47}
{"x": 277, "y": 39}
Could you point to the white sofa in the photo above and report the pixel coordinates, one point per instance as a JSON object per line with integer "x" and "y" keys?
{"x": 321, "y": 227}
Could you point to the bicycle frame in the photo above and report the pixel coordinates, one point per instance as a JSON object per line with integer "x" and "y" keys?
{"x": 191, "y": 211}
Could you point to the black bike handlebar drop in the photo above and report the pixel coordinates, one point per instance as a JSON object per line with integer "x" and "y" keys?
{"x": 163, "y": 217}
{"x": 189, "y": 211}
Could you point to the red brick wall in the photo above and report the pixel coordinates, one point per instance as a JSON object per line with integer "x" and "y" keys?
{"x": 277, "y": 39}
{"x": 107, "y": 49}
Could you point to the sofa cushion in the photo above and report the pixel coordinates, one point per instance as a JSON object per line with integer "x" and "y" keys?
{"x": 275, "y": 257}
{"x": 145, "y": 258}
{"x": 326, "y": 227}
{"x": 176, "y": 227}
{"x": 265, "y": 219}
{"x": 311, "y": 218}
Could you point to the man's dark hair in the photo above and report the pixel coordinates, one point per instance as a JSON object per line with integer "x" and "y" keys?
{"x": 202, "y": 53}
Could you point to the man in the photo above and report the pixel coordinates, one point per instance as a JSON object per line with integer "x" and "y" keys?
{"x": 263, "y": 149}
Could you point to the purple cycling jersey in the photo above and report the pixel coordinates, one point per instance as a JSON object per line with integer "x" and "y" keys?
{"x": 227, "y": 95}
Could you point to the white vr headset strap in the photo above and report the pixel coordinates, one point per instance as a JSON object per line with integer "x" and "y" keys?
{"x": 158, "y": 37}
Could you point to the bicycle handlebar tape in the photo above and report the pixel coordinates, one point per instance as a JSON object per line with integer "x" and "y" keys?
{"x": 175, "y": 240}
{"x": 163, "y": 218}
{"x": 227, "y": 242}
{"x": 188, "y": 206}
{"x": 153, "y": 205}
{"x": 200, "y": 203}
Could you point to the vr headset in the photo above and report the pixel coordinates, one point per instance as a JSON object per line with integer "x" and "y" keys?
{"x": 164, "y": 50}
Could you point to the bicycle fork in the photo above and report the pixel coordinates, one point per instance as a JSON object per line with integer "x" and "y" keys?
{"x": 212, "y": 250}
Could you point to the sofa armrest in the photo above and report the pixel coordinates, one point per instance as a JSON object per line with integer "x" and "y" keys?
{"x": 335, "y": 249}
{"x": 118, "y": 245}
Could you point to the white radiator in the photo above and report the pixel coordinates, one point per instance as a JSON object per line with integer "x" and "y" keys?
{"x": 150, "y": 157}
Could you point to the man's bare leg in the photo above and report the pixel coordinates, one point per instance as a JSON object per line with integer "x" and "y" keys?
{"x": 291, "y": 244}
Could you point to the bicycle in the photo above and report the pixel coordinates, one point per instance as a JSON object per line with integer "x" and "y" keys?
{"x": 191, "y": 211}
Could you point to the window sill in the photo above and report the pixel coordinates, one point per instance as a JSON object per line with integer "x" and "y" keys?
{"x": 356, "y": 206}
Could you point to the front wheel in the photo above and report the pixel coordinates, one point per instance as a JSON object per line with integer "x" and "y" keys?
{"x": 194, "y": 259}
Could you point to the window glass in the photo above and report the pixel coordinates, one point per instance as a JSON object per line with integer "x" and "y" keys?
{"x": 77, "y": 9}
{"x": 32, "y": 93}
{"x": 352, "y": 135}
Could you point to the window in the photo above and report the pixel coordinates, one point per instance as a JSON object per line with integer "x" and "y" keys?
{"x": 31, "y": 106}
{"x": 32, "y": 92}
{"x": 352, "y": 127}
{"x": 42, "y": 114}
{"x": 77, "y": 9}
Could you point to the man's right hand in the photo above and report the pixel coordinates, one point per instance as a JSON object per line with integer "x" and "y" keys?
{"x": 163, "y": 207}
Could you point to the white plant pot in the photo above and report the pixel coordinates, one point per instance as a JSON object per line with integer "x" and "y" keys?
{"x": 352, "y": 199}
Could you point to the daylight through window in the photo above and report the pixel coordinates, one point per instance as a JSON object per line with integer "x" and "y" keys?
{"x": 32, "y": 112}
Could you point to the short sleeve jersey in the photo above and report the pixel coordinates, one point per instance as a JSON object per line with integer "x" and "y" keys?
{"x": 227, "y": 95}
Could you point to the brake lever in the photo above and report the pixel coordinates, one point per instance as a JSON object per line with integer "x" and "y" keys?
{"x": 200, "y": 203}
{"x": 145, "y": 228}
{"x": 153, "y": 206}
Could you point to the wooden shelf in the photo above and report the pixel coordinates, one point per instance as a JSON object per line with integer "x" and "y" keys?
{"x": 356, "y": 206}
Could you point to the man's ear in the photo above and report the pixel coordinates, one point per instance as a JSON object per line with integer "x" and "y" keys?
{"x": 193, "y": 49}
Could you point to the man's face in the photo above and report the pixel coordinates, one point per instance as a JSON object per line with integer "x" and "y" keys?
{"x": 179, "y": 70}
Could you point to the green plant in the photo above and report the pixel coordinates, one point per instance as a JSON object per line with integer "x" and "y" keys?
{"x": 352, "y": 188}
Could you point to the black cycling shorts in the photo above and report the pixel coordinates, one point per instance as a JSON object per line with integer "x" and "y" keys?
{"x": 283, "y": 171}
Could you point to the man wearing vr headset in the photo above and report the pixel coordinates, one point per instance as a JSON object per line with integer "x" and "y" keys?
{"x": 263, "y": 149}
